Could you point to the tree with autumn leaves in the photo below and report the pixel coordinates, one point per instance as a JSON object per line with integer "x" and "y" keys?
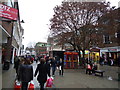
{"x": 76, "y": 23}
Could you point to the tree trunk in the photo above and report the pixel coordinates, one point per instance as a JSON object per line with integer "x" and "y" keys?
{"x": 83, "y": 58}
{"x": 83, "y": 51}
{"x": 79, "y": 55}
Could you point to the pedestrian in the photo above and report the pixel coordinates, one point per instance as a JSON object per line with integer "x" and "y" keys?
{"x": 47, "y": 59}
{"x": 95, "y": 67}
{"x": 61, "y": 66}
{"x": 32, "y": 59}
{"x": 16, "y": 64}
{"x": 53, "y": 65}
{"x": 118, "y": 60}
{"x": 43, "y": 71}
{"x": 101, "y": 61}
{"x": 89, "y": 68}
{"x": 111, "y": 61}
{"x": 25, "y": 73}
{"x": 36, "y": 59}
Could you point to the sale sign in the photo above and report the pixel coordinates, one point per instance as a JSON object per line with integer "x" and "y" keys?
{"x": 8, "y": 12}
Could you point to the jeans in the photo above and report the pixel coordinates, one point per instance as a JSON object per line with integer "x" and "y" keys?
{"x": 53, "y": 70}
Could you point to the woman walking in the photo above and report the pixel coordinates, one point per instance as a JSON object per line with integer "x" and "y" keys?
{"x": 43, "y": 71}
{"x": 61, "y": 66}
{"x": 25, "y": 73}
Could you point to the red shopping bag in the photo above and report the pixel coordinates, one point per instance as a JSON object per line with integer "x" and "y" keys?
{"x": 49, "y": 82}
{"x": 89, "y": 67}
{"x": 17, "y": 85}
{"x": 31, "y": 86}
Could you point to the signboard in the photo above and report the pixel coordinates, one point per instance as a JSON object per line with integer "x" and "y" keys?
{"x": 8, "y": 12}
{"x": 41, "y": 44}
{"x": 112, "y": 50}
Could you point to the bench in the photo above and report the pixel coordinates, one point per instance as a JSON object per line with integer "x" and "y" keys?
{"x": 100, "y": 72}
{"x": 89, "y": 71}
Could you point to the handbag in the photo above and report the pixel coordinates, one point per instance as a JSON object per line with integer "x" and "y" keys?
{"x": 49, "y": 82}
{"x": 31, "y": 85}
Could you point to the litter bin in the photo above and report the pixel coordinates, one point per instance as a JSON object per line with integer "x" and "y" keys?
{"x": 6, "y": 65}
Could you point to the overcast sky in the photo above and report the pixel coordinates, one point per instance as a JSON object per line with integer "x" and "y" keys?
{"x": 36, "y": 14}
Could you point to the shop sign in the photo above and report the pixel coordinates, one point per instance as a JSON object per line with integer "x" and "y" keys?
{"x": 86, "y": 52}
{"x": 8, "y": 12}
{"x": 41, "y": 44}
{"x": 112, "y": 50}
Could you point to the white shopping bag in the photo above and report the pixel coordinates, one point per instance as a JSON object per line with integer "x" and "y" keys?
{"x": 59, "y": 67}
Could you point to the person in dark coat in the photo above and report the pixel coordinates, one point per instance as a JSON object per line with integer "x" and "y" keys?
{"x": 119, "y": 60}
{"x": 53, "y": 65}
{"x": 43, "y": 71}
{"x": 101, "y": 61}
{"x": 94, "y": 68}
{"x": 47, "y": 59}
{"x": 61, "y": 66}
{"x": 25, "y": 73}
{"x": 16, "y": 64}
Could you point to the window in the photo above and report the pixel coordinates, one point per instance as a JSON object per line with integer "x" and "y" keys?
{"x": 9, "y": 3}
{"x": 117, "y": 35}
{"x": 106, "y": 39}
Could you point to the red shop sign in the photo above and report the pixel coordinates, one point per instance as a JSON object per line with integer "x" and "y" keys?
{"x": 8, "y": 12}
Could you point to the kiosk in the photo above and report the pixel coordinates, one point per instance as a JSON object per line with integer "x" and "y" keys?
{"x": 70, "y": 60}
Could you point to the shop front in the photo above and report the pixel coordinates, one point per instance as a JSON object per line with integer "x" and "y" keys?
{"x": 111, "y": 53}
{"x": 95, "y": 55}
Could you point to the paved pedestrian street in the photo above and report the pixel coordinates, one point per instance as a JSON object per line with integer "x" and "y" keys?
{"x": 73, "y": 78}
{"x": 76, "y": 78}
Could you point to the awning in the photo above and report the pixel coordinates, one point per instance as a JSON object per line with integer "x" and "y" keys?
{"x": 95, "y": 50}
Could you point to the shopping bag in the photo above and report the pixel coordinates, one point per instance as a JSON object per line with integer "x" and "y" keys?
{"x": 89, "y": 67}
{"x": 17, "y": 85}
{"x": 60, "y": 68}
{"x": 49, "y": 82}
{"x": 31, "y": 86}
{"x": 57, "y": 67}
